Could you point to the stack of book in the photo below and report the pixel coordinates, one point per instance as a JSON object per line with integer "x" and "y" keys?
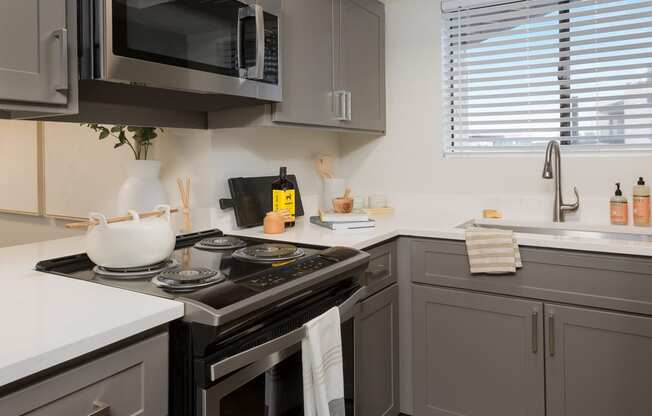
{"x": 351, "y": 221}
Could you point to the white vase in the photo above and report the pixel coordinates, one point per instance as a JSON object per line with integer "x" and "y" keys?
{"x": 142, "y": 190}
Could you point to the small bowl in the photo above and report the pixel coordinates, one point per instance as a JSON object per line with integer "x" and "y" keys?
{"x": 343, "y": 205}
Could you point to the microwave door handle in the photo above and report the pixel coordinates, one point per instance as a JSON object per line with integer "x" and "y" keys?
{"x": 256, "y": 71}
{"x": 240, "y": 60}
{"x": 244, "y": 358}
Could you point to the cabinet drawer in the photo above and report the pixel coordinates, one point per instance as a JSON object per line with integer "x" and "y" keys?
{"x": 131, "y": 381}
{"x": 609, "y": 281}
{"x": 382, "y": 267}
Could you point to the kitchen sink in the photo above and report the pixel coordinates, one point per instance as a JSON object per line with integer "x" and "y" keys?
{"x": 564, "y": 230}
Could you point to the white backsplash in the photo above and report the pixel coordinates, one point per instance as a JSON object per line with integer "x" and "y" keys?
{"x": 526, "y": 208}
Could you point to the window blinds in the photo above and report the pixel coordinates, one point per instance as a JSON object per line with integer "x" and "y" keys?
{"x": 519, "y": 74}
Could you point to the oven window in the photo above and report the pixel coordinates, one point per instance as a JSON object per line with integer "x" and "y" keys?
{"x": 194, "y": 34}
{"x": 279, "y": 390}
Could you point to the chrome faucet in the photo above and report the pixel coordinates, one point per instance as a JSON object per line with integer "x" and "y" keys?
{"x": 559, "y": 208}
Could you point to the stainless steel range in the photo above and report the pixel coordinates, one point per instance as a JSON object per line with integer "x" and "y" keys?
{"x": 237, "y": 349}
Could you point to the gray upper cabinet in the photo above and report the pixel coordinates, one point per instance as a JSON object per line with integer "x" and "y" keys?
{"x": 598, "y": 363}
{"x": 360, "y": 63}
{"x": 377, "y": 388}
{"x": 477, "y": 354}
{"x": 38, "y": 68}
{"x": 307, "y": 64}
{"x": 333, "y": 69}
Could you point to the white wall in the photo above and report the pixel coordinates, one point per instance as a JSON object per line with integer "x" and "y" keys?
{"x": 209, "y": 157}
{"x": 408, "y": 160}
{"x": 22, "y": 229}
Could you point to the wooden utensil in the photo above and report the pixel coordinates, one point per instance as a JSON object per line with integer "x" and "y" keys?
{"x": 184, "y": 190}
{"x": 323, "y": 165}
{"x": 128, "y": 217}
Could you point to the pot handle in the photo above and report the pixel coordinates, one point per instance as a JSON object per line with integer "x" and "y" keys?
{"x": 101, "y": 219}
{"x": 134, "y": 215}
{"x": 165, "y": 209}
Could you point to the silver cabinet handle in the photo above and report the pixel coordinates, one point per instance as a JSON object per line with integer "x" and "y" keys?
{"x": 258, "y": 70}
{"x": 535, "y": 332}
{"x": 62, "y": 36}
{"x": 348, "y": 106}
{"x": 340, "y": 104}
{"x": 100, "y": 409}
{"x": 551, "y": 334}
{"x": 380, "y": 270}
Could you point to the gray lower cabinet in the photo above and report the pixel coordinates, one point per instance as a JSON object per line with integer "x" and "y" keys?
{"x": 477, "y": 354}
{"x": 38, "y": 56}
{"x": 382, "y": 270}
{"x": 598, "y": 363}
{"x": 376, "y": 357}
{"x": 129, "y": 382}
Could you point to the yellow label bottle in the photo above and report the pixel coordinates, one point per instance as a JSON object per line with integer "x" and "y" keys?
{"x": 284, "y": 196}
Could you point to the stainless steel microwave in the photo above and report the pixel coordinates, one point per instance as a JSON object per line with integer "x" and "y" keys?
{"x": 226, "y": 47}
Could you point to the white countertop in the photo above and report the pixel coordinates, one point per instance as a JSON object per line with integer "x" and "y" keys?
{"x": 47, "y": 319}
{"x": 438, "y": 225}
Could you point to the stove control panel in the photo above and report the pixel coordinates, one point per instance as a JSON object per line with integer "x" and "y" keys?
{"x": 282, "y": 274}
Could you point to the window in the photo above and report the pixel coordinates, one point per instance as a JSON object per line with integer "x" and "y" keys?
{"x": 519, "y": 74}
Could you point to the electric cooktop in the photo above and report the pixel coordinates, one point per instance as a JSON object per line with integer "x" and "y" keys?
{"x": 209, "y": 269}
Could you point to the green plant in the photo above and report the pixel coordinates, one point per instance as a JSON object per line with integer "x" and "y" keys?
{"x": 141, "y": 137}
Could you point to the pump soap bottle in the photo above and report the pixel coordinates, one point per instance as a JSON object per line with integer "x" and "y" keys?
{"x": 618, "y": 207}
{"x": 641, "y": 203}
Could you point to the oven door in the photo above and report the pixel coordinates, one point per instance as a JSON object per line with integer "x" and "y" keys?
{"x": 215, "y": 46}
{"x": 268, "y": 381}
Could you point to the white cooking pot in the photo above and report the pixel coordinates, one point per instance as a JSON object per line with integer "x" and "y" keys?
{"x": 135, "y": 243}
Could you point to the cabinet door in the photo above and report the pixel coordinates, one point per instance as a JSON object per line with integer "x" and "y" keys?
{"x": 376, "y": 355}
{"x": 476, "y": 354}
{"x": 382, "y": 270}
{"x": 132, "y": 381}
{"x": 360, "y": 62}
{"x": 598, "y": 363}
{"x": 37, "y": 54}
{"x": 307, "y": 65}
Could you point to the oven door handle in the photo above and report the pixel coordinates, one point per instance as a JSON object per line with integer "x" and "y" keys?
{"x": 346, "y": 308}
{"x": 244, "y": 358}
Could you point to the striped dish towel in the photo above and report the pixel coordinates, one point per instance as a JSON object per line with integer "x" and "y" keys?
{"x": 492, "y": 251}
{"x": 323, "y": 370}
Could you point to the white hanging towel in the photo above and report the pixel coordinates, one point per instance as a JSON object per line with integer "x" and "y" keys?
{"x": 323, "y": 372}
{"x": 492, "y": 251}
